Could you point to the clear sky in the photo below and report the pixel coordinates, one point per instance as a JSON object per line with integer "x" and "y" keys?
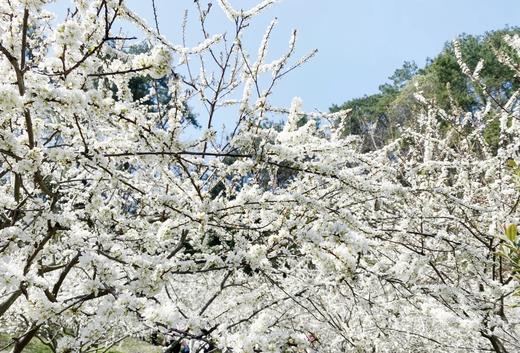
{"x": 360, "y": 42}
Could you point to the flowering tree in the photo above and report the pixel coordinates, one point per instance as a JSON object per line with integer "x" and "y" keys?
{"x": 443, "y": 267}
{"x": 112, "y": 224}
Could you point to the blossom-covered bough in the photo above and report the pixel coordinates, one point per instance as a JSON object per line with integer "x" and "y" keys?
{"x": 112, "y": 224}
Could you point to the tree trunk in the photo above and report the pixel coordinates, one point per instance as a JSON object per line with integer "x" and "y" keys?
{"x": 496, "y": 343}
{"x": 24, "y": 340}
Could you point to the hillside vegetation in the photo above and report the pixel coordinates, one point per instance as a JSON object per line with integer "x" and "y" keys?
{"x": 380, "y": 117}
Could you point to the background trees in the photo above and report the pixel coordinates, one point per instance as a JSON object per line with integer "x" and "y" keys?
{"x": 379, "y": 118}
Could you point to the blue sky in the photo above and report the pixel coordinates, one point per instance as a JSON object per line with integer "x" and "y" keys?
{"x": 360, "y": 42}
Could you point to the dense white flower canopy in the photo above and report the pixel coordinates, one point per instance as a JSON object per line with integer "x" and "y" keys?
{"x": 279, "y": 239}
